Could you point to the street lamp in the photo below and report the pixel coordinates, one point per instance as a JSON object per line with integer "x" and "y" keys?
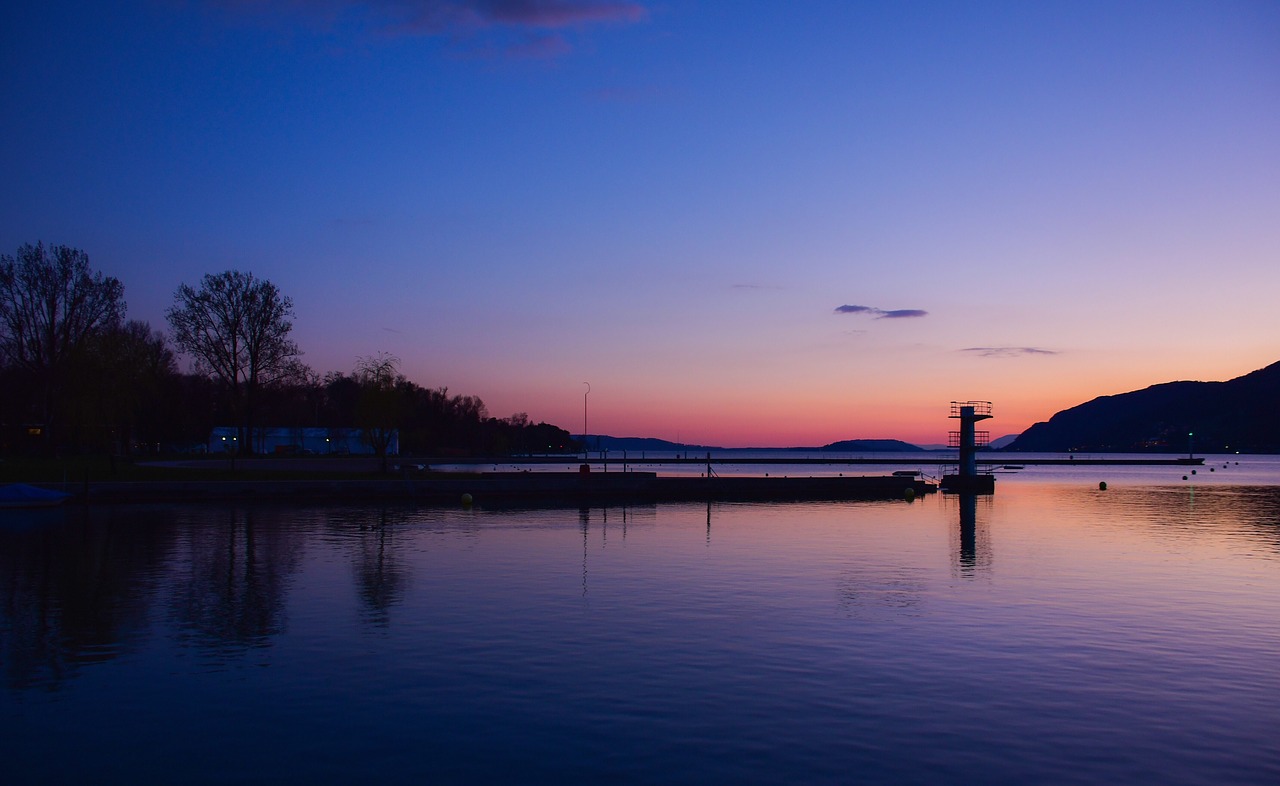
{"x": 585, "y": 453}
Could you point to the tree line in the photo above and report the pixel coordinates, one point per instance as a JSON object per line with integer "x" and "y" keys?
{"x": 77, "y": 376}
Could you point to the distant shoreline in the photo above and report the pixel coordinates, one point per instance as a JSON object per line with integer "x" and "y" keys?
{"x": 501, "y": 487}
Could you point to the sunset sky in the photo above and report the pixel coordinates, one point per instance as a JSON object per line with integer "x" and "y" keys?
{"x": 743, "y": 223}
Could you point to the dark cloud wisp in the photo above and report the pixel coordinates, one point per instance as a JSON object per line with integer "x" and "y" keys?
{"x": 433, "y": 17}
{"x": 520, "y": 28}
{"x": 880, "y": 313}
{"x": 1008, "y": 352}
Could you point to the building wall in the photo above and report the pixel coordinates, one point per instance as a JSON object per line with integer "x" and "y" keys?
{"x": 317, "y": 441}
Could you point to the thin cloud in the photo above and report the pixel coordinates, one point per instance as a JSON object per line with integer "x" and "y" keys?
{"x": 436, "y": 17}
{"x": 537, "y": 26}
{"x": 750, "y": 286}
{"x": 547, "y": 13}
{"x": 880, "y": 313}
{"x": 625, "y": 95}
{"x": 1008, "y": 352}
{"x": 540, "y": 47}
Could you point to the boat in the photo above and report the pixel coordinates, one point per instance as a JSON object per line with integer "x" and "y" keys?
{"x": 906, "y": 473}
{"x": 1014, "y": 466}
{"x": 20, "y": 495}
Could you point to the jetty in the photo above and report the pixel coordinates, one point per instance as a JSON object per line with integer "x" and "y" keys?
{"x": 914, "y": 459}
{"x": 513, "y": 487}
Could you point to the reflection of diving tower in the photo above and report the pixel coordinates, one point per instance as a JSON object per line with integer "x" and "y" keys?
{"x": 968, "y": 441}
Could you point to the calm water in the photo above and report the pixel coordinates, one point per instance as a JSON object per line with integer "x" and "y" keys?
{"x": 1053, "y": 633}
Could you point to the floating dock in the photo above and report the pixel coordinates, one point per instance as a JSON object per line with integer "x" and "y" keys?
{"x": 913, "y": 459}
{"x": 506, "y": 487}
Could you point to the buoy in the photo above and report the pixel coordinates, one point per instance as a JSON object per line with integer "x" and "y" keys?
{"x": 1212, "y": 469}
{"x": 1184, "y": 477}
{"x": 1102, "y": 486}
{"x": 909, "y": 495}
{"x": 466, "y": 500}
{"x": 1193, "y": 472}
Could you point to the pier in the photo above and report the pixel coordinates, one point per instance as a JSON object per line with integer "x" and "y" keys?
{"x": 516, "y": 487}
{"x": 910, "y": 459}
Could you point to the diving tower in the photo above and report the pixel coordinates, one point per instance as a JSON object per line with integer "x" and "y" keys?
{"x": 968, "y": 440}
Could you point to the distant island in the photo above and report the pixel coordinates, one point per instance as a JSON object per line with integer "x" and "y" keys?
{"x": 1242, "y": 414}
{"x": 872, "y": 446}
{"x": 649, "y": 444}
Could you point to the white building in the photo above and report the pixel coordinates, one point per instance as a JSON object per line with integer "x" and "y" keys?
{"x": 300, "y": 441}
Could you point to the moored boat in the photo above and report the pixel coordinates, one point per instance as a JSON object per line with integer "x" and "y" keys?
{"x": 20, "y": 495}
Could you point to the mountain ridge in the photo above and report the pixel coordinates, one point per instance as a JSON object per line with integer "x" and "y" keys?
{"x": 1239, "y": 414}
{"x": 606, "y": 442}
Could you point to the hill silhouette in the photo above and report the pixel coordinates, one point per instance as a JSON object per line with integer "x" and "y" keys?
{"x": 606, "y": 442}
{"x": 871, "y": 446}
{"x": 1237, "y": 415}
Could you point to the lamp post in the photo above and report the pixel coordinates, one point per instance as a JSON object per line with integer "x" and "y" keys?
{"x": 585, "y": 451}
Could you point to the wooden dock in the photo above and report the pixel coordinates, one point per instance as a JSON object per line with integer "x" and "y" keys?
{"x": 914, "y": 460}
{"x": 512, "y": 487}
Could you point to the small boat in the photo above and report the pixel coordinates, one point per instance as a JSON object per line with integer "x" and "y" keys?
{"x": 906, "y": 473}
{"x": 20, "y": 495}
{"x": 1014, "y": 466}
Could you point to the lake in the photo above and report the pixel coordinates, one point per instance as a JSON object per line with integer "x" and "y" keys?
{"x": 1051, "y": 633}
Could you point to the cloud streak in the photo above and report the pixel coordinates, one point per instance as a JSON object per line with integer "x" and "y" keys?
{"x": 440, "y": 16}
{"x": 880, "y": 313}
{"x": 1008, "y": 352}
{"x": 538, "y": 25}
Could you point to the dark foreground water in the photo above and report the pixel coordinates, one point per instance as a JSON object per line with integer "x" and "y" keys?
{"x": 1053, "y": 633}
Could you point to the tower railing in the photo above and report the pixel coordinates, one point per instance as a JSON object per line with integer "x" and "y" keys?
{"x": 980, "y": 408}
{"x": 981, "y": 439}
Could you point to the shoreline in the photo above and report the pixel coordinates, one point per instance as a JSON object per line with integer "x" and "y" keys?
{"x": 556, "y": 487}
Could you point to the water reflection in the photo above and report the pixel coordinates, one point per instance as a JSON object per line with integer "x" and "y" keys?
{"x": 76, "y": 589}
{"x": 229, "y": 587}
{"x": 973, "y": 551}
{"x": 584, "y": 520}
{"x": 81, "y": 586}
{"x": 1245, "y": 515}
{"x": 894, "y": 590}
{"x": 382, "y": 577}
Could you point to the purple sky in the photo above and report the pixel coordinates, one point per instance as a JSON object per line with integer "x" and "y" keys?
{"x": 744, "y": 223}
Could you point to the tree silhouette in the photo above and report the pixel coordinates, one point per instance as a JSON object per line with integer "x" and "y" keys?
{"x": 117, "y": 393}
{"x": 236, "y": 327}
{"x": 381, "y": 401}
{"x": 51, "y": 306}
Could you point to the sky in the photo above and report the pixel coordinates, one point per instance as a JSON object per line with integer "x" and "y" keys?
{"x": 736, "y": 223}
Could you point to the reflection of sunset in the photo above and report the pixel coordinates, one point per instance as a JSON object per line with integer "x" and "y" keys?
{"x": 1224, "y": 519}
{"x": 1071, "y": 620}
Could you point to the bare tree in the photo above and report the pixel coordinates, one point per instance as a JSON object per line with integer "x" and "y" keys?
{"x": 133, "y": 365}
{"x": 236, "y": 327}
{"x": 381, "y": 401}
{"x": 51, "y": 305}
